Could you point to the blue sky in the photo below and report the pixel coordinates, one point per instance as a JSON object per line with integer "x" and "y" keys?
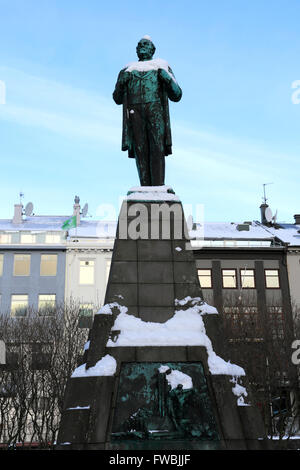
{"x": 235, "y": 128}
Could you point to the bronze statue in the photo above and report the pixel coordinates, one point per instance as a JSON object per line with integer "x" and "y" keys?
{"x": 143, "y": 88}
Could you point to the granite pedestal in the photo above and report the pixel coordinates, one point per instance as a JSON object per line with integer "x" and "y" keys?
{"x": 152, "y": 270}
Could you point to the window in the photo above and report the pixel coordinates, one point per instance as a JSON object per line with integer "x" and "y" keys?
{"x": 47, "y": 304}
{"x": 229, "y": 278}
{"x": 22, "y": 265}
{"x": 19, "y": 305}
{"x": 86, "y": 272}
{"x": 52, "y": 238}
{"x": 276, "y": 322}
{"x": 5, "y": 238}
{"x": 272, "y": 278}
{"x": 27, "y": 238}
{"x": 48, "y": 265}
{"x": 205, "y": 278}
{"x": 247, "y": 278}
{"x": 86, "y": 315}
{"x": 1, "y": 264}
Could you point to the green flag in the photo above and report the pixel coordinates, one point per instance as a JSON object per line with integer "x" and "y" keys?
{"x": 69, "y": 223}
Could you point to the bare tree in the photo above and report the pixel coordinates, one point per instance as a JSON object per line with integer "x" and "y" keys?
{"x": 43, "y": 349}
{"x": 260, "y": 340}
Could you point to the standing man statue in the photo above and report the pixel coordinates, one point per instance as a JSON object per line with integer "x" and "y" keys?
{"x": 143, "y": 88}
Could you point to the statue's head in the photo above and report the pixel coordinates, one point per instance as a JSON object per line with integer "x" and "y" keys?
{"x": 145, "y": 48}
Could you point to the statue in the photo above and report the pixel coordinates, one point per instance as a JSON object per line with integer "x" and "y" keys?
{"x": 143, "y": 88}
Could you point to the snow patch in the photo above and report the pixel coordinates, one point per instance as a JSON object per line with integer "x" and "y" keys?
{"x": 176, "y": 377}
{"x": 203, "y": 307}
{"x": 80, "y": 408}
{"x": 185, "y": 328}
{"x": 107, "y": 308}
{"x": 147, "y": 65}
{"x": 239, "y": 391}
{"x": 105, "y": 367}
{"x": 152, "y": 196}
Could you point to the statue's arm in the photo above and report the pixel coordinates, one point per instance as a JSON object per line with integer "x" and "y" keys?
{"x": 173, "y": 89}
{"x": 122, "y": 80}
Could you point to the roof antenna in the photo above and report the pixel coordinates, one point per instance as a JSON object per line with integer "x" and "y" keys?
{"x": 266, "y": 213}
{"x": 21, "y": 195}
{"x": 265, "y": 198}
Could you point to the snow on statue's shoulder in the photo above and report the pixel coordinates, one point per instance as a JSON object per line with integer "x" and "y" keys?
{"x": 147, "y": 65}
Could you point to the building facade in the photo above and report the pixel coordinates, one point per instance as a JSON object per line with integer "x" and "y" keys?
{"x": 43, "y": 265}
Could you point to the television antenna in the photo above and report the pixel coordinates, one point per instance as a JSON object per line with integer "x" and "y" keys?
{"x": 264, "y": 186}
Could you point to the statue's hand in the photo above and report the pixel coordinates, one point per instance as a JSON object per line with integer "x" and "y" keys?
{"x": 164, "y": 76}
{"x": 124, "y": 79}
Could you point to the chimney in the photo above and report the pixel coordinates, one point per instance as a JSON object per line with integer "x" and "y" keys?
{"x": 263, "y": 208}
{"x": 17, "y": 219}
{"x": 76, "y": 209}
{"x": 297, "y": 219}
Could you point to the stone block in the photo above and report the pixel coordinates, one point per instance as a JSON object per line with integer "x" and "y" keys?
{"x": 155, "y": 271}
{"x": 79, "y": 392}
{"x": 123, "y": 354}
{"x": 123, "y": 272}
{"x": 252, "y": 425}
{"x": 198, "y": 354}
{"x": 125, "y": 294}
{"x": 183, "y": 290}
{"x": 228, "y": 415}
{"x": 156, "y": 314}
{"x": 125, "y": 250}
{"x": 180, "y": 251}
{"x": 185, "y": 272}
{"x": 161, "y": 354}
{"x": 154, "y": 250}
{"x": 101, "y": 410}
{"x": 213, "y": 328}
{"x": 156, "y": 295}
{"x": 74, "y": 427}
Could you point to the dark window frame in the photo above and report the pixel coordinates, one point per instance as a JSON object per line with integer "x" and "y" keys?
{"x": 254, "y": 277}
{"x": 211, "y": 277}
{"x": 271, "y": 269}
{"x": 236, "y": 278}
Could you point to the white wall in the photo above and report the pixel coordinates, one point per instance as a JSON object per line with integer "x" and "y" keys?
{"x": 87, "y": 293}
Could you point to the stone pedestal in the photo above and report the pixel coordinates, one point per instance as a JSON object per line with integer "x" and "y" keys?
{"x": 167, "y": 390}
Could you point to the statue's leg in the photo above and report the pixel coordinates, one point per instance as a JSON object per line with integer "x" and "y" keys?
{"x": 139, "y": 131}
{"x": 156, "y": 136}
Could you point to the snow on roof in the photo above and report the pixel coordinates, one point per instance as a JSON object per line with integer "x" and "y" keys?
{"x": 87, "y": 228}
{"x": 227, "y": 230}
{"x": 94, "y": 229}
{"x": 287, "y": 233}
{"x": 35, "y": 223}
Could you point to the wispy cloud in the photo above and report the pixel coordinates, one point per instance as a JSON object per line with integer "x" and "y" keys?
{"x": 214, "y": 166}
{"x": 60, "y": 108}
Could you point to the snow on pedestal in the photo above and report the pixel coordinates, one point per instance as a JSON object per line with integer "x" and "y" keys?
{"x": 185, "y": 328}
{"x": 105, "y": 367}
